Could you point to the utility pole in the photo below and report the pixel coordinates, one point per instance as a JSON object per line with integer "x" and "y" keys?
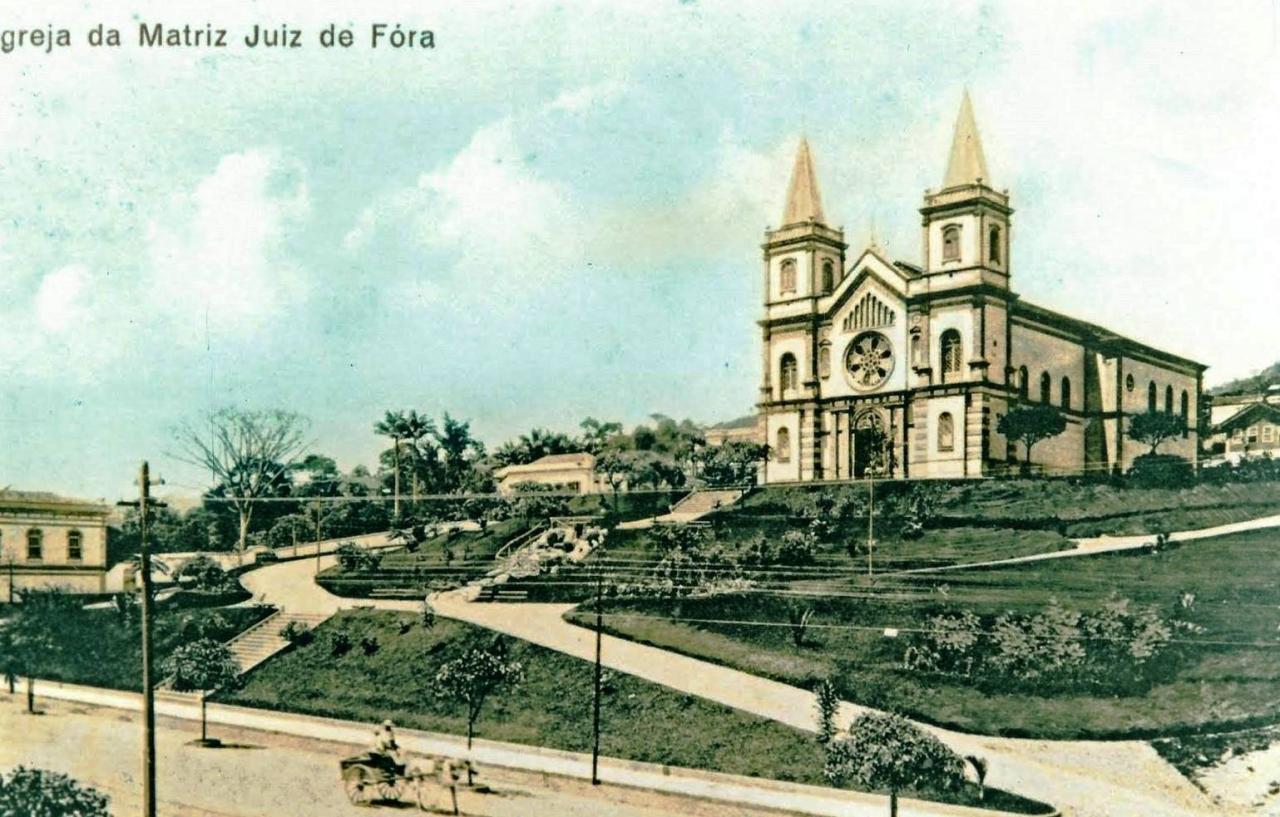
{"x": 144, "y": 506}
{"x": 595, "y": 717}
{"x": 871, "y": 517}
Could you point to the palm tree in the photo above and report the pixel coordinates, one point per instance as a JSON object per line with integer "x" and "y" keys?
{"x": 416, "y": 427}
{"x": 394, "y": 425}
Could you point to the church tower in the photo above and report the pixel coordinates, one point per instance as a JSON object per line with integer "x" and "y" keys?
{"x": 804, "y": 257}
{"x": 966, "y": 223}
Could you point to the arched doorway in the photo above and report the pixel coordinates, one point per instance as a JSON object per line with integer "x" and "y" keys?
{"x": 870, "y": 444}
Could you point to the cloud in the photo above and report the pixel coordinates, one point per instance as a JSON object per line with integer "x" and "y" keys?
{"x": 577, "y": 100}
{"x": 59, "y": 301}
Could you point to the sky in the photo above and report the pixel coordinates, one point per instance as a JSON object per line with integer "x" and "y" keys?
{"x": 557, "y": 211}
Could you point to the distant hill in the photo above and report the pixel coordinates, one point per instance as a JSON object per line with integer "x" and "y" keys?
{"x": 1246, "y": 385}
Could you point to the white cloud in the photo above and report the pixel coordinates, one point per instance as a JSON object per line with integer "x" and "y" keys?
{"x": 577, "y": 100}
{"x": 59, "y": 300}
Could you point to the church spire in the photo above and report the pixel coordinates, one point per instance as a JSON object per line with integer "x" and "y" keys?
{"x": 804, "y": 202}
{"x": 966, "y": 165}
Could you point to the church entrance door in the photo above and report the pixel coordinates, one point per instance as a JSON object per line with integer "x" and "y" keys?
{"x": 868, "y": 444}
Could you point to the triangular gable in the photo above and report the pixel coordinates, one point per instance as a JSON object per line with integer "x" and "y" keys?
{"x": 870, "y": 265}
{"x": 1250, "y": 415}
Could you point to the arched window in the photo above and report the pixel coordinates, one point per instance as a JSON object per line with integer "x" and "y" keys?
{"x": 35, "y": 544}
{"x": 783, "y": 445}
{"x": 787, "y": 281}
{"x": 1045, "y": 388}
{"x": 1066, "y": 392}
{"x": 787, "y": 374}
{"x": 951, "y": 242}
{"x": 915, "y": 349}
{"x": 1024, "y": 382}
{"x": 75, "y": 546}
{"x": 1168, "y": 399}
{"x": 993, "y": 245}
{"x": 1151, "y": 397}
{"x": 828, "y": 276}
{"x": 946, "y": 432}
{"x": 1186, "y": 409}
{"x": 824, "y": 360}
{"x": 1128, "y": 382}
{"x": 951, "y": 354}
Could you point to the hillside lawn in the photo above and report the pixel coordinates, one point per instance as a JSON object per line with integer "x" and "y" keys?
{"x": 1235, "y": 581}
{"x": 550, "y": 707}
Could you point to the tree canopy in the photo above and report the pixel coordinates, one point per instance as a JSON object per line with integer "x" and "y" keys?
{"x": 1029, "y": 424}
{"x": 887, "y": 751}
{"x": 1154, "y": 427}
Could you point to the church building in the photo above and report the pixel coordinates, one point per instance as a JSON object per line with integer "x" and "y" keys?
{"x": 904, "y": 370}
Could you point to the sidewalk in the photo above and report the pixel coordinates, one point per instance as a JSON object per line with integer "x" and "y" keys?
{"x": 744, "y": 791}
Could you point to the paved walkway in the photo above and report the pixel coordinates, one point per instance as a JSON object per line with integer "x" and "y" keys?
{"x": 1094, "y": 545}
{"x": 312, "y": 790}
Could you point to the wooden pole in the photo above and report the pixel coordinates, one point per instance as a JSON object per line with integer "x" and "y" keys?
{"x": 595, "y": 716}
{"x": 148, "y": 690}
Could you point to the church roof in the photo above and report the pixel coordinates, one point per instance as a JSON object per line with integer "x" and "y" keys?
{"x": 804, "y": 201}
{"x": 967, "y": 164}
{"x": 1249, "y": 415}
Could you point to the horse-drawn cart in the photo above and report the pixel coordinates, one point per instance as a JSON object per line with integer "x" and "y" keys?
{"x": 373, "y": 776}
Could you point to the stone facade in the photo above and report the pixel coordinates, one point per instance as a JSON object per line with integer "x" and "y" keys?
{"x": 929, "y": 358}
{"x": 50, "y": 541}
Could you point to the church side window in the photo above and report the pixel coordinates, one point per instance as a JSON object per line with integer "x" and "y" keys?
{"x": 784, "y": 445}
{"x": 788, "y": 277}
{"x": 1151, "y": 397}
{"x": 828, "y": 276}
{"x": 824, "y": 360}
{"x": 946, "y": 432}
{"x": 1045, "y": 388}
{"x": 788, "y": 370}
{"x": 1168, "y": 399}
{"x": 951, "y": 355}
{"x": 35, "y": 544}
{"x": 1024, "y": 382}
{"x": 1066, "y": 392}
{"x": 1186, "y": 407}
{"x": 993, "y": 245}
{"x": 75, "y": 546}
{"x": 951, "y": 243}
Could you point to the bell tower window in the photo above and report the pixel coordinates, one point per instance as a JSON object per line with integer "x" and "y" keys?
{"x": 951, "y": 242}
{"x": 993, "y": 245}
{"x": 950, "y": 343}
{"x": 787, "y": 278}
{"x": 787, "y": 374}
{"x": 783, "y": 445}
{"x": 828, "y": 276}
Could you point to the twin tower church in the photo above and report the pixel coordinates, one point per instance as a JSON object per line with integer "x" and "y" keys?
{"x": 876, "y": 364}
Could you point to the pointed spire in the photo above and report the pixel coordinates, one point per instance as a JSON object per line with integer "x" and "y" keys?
{"x": 804, "y": 201}
{"x": 967, "y": 165}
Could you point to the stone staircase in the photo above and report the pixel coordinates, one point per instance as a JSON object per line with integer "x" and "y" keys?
{"x": 263, "y": 640}
{"x": 694, "y": 506}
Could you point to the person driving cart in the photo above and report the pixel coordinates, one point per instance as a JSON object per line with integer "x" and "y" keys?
{"x": 385, "y": 746}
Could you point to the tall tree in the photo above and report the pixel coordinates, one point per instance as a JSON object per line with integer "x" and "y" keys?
{"x": 204, "y": 665}
{"x": 394, "y": 424}
{"x": 248, "y": 454}
{"x": 474, "y": 676}
{"x": 34, "y": 632}
{"x": 418, "y": 428}
{"x": 461, "y": 451}
{"x": 597, "y": 434}
{"x": 885, "y": 751}
{"x": 1029, "y": 425}
{"x": 1154, "y": 427}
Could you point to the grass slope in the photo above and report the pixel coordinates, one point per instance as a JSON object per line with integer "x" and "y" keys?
{"x": 1235, "y": 581}
{"x": 550, "y": 707}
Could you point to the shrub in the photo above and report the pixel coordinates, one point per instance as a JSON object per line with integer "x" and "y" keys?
{"x": 339, "y": 644}
{"x": 42, "y": 793}
{"x": 797, "y": 548}
{"x": 297, "y": 634}
{"x": 266, "y": 557}
{"x": 369, "y": 644}
{"x": 354, "y": 559}
{"x": 888, "y": 752}
{"x": 1161, "y": 471}
{"x": 205, "y": 575}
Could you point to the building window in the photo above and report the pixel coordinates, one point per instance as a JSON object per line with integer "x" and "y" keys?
{"x": 993, "y": 245}
{"x": 828, "y": 276}
{"x": 946, "y": 432}
{"x": 788, "y": 373}
{"x": 1168, "y": 399}
{"x": 1024, "y": 382}
{"x": 788, "y": 277}
{"x": 1186, "y": 413}
{"x": 75, "y": 546}
{"x": 1066, "y": 393}
{"x": 783, "y": 445}
{"x": 1268, "y": 432}
{"x": 951, "y": 243}
{"x": 1251, "y": 436}
{"x": 824, "y": 360}
{"x": 1128, "y": 383}
{"x": 1045, "y": 388}
{"x": 35, "y": 544}
{"x": 951, "y": 353}
{"x": 915, "y": 349}
{"x": 1151, "y": 397}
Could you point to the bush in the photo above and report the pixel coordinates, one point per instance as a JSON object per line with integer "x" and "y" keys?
{"x": 797, "y": 548}
{"x": 354, "y": 559}
{"x": 297, "y": 634}
{"x": 266, "y": 557}
{"x": 339, "y": 644}
{"x": 41, "y": 793}
{"x": 205, "y": 575}
{"x": 1161, "y": 471}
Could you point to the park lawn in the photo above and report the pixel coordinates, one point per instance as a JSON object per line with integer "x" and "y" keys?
{"x": 1235, "y": 581}
{"x": 95, "y": 647}
{"x": 461, "y": 546}
{"x": 550, "y": 707}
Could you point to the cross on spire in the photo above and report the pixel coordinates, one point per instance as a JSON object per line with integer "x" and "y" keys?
{"x": 967, "y": 164}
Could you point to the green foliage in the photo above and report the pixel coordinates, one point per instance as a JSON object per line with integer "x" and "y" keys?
{"x": 1154, "y": 427}
{"x": 1161, "y": 471}
{"x": 475, "y": 675}
{"x": 297, "y": 633}
{"x": 354, "y": 559}
{"x": 206, "y": 576}
{"x": 733, "y": 464}
{"x": 537, "y": 503}
{"x": 202, "y": 665}
{"x": 888, "y": 752}
{"x": 27, "y": 792}
{"x": 798, "y": 615}
{"x": 797, "y": 548}
{"x": 1029, "y": 424}
{"x": 828, "y": 704}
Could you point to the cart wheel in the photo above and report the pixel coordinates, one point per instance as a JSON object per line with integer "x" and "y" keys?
{"x": 357, "y": 784}
{"x": 391, "y": 789}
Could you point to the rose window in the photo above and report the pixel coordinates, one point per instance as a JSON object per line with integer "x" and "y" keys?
{"x": 869, "y": 360}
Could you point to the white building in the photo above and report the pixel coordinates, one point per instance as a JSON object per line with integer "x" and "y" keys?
{"x": 930, "y": 356}
{"x": 566, "y": 472}
{"x": 51, "y": 541}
